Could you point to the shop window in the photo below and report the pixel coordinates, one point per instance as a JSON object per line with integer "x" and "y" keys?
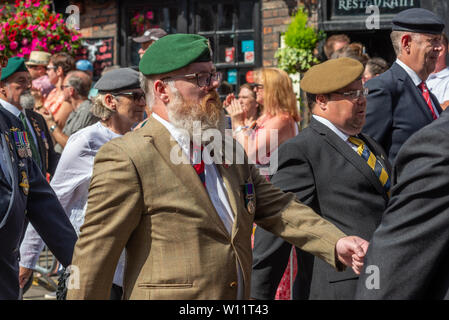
{"x": 233, "y": 31}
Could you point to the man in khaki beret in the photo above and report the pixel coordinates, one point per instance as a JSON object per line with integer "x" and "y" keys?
{"x": 184, "y": 215}
{"x": 341, "y": 174}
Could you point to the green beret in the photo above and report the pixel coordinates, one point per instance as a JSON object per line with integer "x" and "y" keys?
{"x": 331, "y": 75}
{"x": 15, "y": 64}
{"x": 174, "y": 52}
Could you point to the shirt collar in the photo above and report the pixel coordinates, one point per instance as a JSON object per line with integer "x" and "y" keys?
{"x": 331, "y": 126}
{"x": 11, "y": 108}
{"x": 412, "y": 74}
{"x": 178, "y": 134}
{"x": 441, "y": 74}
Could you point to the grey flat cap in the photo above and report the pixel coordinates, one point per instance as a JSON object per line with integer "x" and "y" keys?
{"x": 418, "y": 20}
{"x": 151, "y": 35}
{"x": 118, "y": 80}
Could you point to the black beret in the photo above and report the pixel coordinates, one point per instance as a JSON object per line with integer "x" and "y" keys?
{"x": 418, "y": 20}
{"x": 117, "y": 80}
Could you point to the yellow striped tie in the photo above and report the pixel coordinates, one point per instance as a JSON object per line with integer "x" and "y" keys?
{"x": 372, "y": 161}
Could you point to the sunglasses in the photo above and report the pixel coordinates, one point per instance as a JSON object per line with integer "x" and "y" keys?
{"x": 137, "y": 96}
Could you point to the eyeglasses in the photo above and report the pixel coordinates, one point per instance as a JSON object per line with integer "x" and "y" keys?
{"x": 258, "y": 86}
{"x": 355, "y": 94}
{"x": 51, "y": 67}
{"x": 203, "y": 79}
{"x": 137, "y": 96}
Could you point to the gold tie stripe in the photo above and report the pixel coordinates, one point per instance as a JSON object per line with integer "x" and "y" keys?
{"x": 372, "y": 161}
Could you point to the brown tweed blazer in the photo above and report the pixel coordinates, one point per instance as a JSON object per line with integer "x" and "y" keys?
{"x": 177, "y": 246}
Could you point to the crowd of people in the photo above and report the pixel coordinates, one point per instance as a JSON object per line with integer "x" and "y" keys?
{"x": 115, "y": 181}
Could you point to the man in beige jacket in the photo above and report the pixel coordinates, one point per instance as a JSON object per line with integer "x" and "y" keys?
{"x": 186, "y": 220}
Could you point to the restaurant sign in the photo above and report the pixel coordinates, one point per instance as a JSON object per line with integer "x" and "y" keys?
{"x": 358, "y": 7}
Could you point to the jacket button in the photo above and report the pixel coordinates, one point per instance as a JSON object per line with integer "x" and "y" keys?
{"x": 233, "y": 284}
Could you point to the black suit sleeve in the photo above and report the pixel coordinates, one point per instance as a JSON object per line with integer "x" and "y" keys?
{"x": 379, "y": 114}
{"x": 48, "y": 217}
{"x": 410, "y": 246}
{"x": 271, "y": 253}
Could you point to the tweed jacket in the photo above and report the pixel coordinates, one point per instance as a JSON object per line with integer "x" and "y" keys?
{"x": 177, "y": 245}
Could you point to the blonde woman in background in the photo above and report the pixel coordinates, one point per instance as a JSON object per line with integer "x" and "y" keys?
{"x": 278, "y": 118}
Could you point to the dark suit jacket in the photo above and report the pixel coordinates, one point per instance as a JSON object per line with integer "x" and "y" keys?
{"x": 49, "y": 156}
{"x": 411, "y": 245}
{"x": 327, "y": 175}
{"x": 39, "y": 205}
{"x": 395, "y": 109}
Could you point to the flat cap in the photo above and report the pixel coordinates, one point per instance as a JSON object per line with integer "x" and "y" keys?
{"x": 15, "y": 64}
{"x": 150, "y": 35}
{"x": 118, "y": 80}
{"x": 418, "y": 20}
{"x": 174, "y": 52}
{"x": 331, "y": 75}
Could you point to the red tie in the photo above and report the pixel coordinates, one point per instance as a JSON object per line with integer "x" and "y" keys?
{"x": 199, "y": 167}
{"x": 426, "y": 95}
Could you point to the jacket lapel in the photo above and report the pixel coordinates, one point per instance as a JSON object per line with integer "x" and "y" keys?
{"x": 351, "y": 156}
{"x": 168, "y": 147}
{"x": 414, "y": 90}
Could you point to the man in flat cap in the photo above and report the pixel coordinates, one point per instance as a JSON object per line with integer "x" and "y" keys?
{"x": 119, "y": 104}
{"x": 399, "y": 102}
{"x": 16, "y": 98}
{"x": 148, "y": 38}
{"x": 186, "y": 216}
{"x": 339, "y": 172}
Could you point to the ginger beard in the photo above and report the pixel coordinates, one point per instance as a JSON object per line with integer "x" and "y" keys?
{"x": 186, "y": 115}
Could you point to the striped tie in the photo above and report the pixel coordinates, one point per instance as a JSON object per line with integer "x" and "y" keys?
{"x": 372, "y": 161}
{"x": 425, "y": 93}
{"x": 198, "y": 163}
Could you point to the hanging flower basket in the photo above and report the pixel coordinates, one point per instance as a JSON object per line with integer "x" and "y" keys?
{"x": 28, "y": 25}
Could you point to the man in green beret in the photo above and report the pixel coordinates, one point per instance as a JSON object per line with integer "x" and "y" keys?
{"x": 339, "y": 172}
{"x": 17, "y": 99}
{"x": 186, "y": 216}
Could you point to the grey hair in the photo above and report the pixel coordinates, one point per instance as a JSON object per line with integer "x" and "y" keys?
{"x": 396, "y": 37}
{"x": 146, "y": 84}
{"x": 99, "y": 108}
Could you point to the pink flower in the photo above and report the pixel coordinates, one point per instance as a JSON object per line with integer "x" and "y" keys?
{"x": 27, "y": 4}
{"x": 32, "y": 27}
{"x": 13, "y": 45}
{"x": 53, "y": 27}
{"x": 24, "y": 41}
{"x": 149, "y": 15}
{"x": 74, "y": 38}
{"x": 37, "y": 4}
{"x": 2, "y": 47}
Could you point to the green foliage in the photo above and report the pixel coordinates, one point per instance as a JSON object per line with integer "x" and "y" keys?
{"x": 300, "y": 42}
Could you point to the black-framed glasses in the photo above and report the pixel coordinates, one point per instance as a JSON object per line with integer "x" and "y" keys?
{"x": 137, "y": 96}
{"x": 203, "y": 79}
{"x": 258, "y": 86}
{"x": 355, "y": 94}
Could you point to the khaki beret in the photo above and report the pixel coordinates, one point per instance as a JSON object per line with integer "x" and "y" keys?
{"x": 331, "y": 75}
{"x": 174, "y": 52}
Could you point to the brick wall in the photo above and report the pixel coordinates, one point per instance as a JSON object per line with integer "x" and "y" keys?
{"x": 276, "y": 15}
{"x": 100, "y": 20}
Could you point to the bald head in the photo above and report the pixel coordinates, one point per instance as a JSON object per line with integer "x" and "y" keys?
{"x": 80, "y": 81}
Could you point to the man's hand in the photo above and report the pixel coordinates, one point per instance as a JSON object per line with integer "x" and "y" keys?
{"x": 351, "y": 251}
{"x": 24, "y": 275}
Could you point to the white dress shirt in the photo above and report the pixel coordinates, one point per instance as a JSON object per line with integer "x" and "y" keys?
{"x": 438, "y": 84}
{"x": 71, "y": 185}
{"x": 343, "y": 136}
{"x": 214, "y": 185}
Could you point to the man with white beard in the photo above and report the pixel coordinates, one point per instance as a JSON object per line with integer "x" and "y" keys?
{"x": 16, "y": 98}
{"x": 186, "y": 225}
